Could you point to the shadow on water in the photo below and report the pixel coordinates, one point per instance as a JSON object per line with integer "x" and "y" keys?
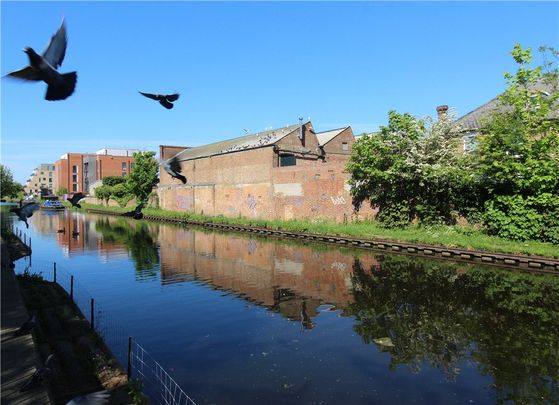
{"x": 440, "y": 314}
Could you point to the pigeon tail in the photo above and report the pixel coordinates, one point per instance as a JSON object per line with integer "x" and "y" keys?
{"x": 78, "y": 205}
{"x": 64, "y": 89}
{"x": 181, "y": 178}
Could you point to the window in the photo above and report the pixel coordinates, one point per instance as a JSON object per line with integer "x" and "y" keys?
{"x": 50, "y": 180}
{"x": 123, "y": 169}
{"x": 74, "y": 187}
{"x": 50, "y": 174}
{"x": 74, "y": 169}
{"x": 345, "y": 146}
{"x": 75, "y": 178}
{"x": 287, "y": 160}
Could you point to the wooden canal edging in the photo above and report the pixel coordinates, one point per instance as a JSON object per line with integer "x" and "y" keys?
{"x": 533, "y": 263}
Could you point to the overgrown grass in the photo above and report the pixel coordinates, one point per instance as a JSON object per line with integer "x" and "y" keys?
{"x": 465, "y": 237}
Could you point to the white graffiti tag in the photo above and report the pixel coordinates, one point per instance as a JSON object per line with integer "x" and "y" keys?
{"x": 339, "y": 200}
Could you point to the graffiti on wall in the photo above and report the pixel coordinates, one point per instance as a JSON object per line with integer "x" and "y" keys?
{"x": 338, "y": 266}
{"x": 184, "y": 202}
{"x": 252, "y": 203}
{"x": 339, "y": 200}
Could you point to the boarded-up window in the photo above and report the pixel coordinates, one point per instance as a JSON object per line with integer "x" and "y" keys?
{"x": 287, "y": 159}
{"x": 345, "y": 146}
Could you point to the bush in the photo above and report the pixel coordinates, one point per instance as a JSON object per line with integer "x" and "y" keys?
{"x": 522, "y": 218}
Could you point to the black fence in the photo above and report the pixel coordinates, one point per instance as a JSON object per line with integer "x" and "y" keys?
{"x": 156, "y": 384}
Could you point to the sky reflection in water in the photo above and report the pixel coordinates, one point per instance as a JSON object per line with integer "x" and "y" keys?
{"x": 240, "y": 319}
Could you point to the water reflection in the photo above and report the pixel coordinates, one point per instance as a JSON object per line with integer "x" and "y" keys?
{"x": 292, "y": 279}
{"x": 137, "y": 237}
{"x": 353, "y": 327}
{"x": 440, "y": 314}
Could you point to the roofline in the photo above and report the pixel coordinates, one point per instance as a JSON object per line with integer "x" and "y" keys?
{"x": 330, "y": 130}
{"x": 342, "y": 129}
{"x": 297, "y": 126}
{"x": 226, "y": 153}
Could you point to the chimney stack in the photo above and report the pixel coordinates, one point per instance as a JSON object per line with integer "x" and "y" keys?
{"x": 441, "y": 111}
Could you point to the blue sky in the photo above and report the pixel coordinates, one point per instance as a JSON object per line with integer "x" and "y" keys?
{"x": 251, "y": 65}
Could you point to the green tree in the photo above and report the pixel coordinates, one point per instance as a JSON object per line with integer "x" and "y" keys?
{"x": 61, "y": 191}
{"x": 409, "y": 170}
{"x": 143, "y": 176}
{"x": 8, "y": 187}
{"x": 517, "y": 159}
{"x": 115, "y": 188}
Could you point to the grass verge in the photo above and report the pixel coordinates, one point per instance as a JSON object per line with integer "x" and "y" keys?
{"x": 466, "y": 237}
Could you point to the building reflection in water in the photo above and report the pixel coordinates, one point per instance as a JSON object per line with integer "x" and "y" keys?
{"x": 75, "y": 232}
{"x": 290, "y": 278}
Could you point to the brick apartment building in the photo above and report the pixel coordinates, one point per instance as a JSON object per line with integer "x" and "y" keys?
{"x": 41, "y": 181}
{"x": 78, "y": 171}
{"x": 286, "y": 173}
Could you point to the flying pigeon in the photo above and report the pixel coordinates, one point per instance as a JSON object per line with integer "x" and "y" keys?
{"x": 27, "y": 326}
{"x": 165, "y": 100}
{"x": 75, "y": 198}
{"x": 43, "y": 67}
{"x": 25, "y": 212}
{"x": 173, "y": 167}
{"x": 40, "y": 375}
{"x": 94, "y": 398}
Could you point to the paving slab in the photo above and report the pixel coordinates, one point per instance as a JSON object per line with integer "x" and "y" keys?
{"x": 18, "y": 353}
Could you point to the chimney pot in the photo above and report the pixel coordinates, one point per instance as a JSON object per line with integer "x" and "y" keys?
{"x": 442, "y": 110}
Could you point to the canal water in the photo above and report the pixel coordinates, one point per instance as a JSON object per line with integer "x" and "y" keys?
{"x": 240, "y": 319}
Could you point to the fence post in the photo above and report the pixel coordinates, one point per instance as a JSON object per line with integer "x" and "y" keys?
{"x": 54, "y": 273}
{"x": 72, "y": 288}
{"x": 93, "y": 314}
{"x": 129, "y": 368}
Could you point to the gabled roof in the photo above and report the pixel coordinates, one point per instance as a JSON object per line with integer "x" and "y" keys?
{"x": 327, "y": 136}
{"x": 252, "y": 141}
{"x": 474, "y": 119}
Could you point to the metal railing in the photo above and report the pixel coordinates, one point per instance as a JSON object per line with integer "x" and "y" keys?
{"x": 156, "y": 384}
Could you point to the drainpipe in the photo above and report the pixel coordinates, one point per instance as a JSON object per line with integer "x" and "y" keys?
{"x": 301, "y": 131}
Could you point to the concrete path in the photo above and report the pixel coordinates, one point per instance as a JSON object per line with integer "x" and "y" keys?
{"x": 19, "y": 357}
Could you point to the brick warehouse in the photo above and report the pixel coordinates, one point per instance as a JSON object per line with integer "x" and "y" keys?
{"x": 286, "y": 173}
{"x": 78, "y": 171}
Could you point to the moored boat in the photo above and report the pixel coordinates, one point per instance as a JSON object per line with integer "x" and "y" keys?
{"x": 52, "y": 205}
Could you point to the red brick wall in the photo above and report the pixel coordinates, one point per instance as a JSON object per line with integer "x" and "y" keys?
{"x": 333, "y": 149}
{"x": 108, "y": 165}
{"x": 251, "y": 184}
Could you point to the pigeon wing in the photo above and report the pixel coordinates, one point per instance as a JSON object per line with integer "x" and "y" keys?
{"x": 76, "y": 197}
{"x": 27, "y": 73}
{"x": 172, "y": 97}
{"x": 175, "y": 165}
{"x": 149, "y": 95}
{"x": 29, "y": 209}
{"x": 165, "y": 104}
{"x": 56, "y": 49}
